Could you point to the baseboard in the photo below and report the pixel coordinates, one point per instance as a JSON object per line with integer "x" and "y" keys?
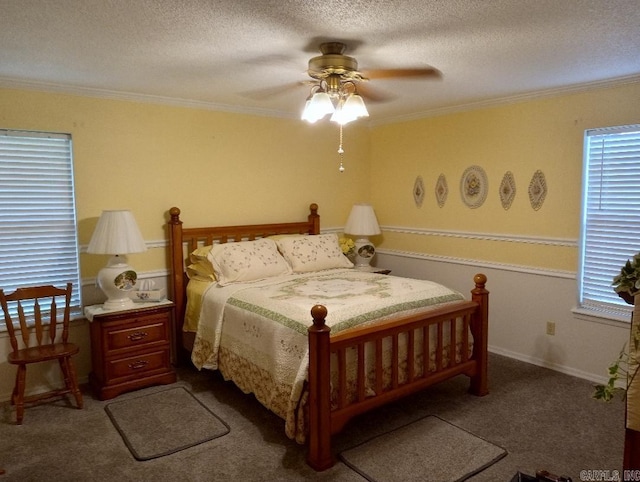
{"x": 552, "y": 366}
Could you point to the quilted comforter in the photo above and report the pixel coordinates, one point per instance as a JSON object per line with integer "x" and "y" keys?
{"x": 256, "y": 333}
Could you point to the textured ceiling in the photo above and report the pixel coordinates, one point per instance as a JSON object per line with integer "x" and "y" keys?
{"x": 226, "y": 53}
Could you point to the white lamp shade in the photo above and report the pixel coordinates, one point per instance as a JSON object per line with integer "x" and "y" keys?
{"x": 116, "y": 233}
{"x": 362, "y": 221}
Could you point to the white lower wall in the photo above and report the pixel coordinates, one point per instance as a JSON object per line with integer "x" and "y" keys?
{"x": 520, "y": 305}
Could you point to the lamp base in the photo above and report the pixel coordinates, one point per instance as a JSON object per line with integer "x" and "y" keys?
{"x": 116, "y": 280}
{"x": 365, "y": 250}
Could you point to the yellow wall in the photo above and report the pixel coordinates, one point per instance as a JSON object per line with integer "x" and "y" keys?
{"x": 544, "y": 134}
{"x": 218, "y": 168}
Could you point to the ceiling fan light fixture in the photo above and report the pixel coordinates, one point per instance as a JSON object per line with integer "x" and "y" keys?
{"x": 349, "y": 110}
{"x": 319, "y": 106}
{"x": 355, "y": 105}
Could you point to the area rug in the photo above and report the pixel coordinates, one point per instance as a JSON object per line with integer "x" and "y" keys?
{"x": 429, "y": 449}
{"x": 164, "y": 422}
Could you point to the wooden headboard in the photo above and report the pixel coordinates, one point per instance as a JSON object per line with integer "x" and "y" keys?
{"x": 182, "y": 241}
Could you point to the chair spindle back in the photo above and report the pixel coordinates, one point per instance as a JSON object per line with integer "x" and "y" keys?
{"x": 44, "y": 301}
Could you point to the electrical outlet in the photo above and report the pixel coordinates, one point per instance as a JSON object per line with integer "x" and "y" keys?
{"x": 551, "y": 328}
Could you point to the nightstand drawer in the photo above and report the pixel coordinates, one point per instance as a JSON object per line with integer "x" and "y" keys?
{"x": 152, "y": 331}
{"x": 137, "y": 365}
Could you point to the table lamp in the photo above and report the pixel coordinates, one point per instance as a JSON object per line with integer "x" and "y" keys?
{"x": 362, "y": 223}
{"x": 117, "y": 234}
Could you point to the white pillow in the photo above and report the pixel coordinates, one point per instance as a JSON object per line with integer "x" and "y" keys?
{"x": 247, "y": 261}
{"x": 313, "y": 253}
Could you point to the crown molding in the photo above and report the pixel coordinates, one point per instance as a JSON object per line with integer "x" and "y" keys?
{"x": 512, "y": 99}
{"x": 9, "y": 83}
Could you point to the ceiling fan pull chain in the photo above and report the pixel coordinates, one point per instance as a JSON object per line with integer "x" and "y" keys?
{"x": 341, "y": 151}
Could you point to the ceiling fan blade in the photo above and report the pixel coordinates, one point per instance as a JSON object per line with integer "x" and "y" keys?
{"x": 263, "y": 94}
{"x": 374, "y": 95}
{"x": 428, "y": 72}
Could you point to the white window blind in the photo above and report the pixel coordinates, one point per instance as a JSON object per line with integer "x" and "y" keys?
{"x": 38, "y": 242}
{"x": 611, "y": 214}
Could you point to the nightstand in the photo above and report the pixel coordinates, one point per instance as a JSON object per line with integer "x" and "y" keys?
{"x": 130, "y": 349}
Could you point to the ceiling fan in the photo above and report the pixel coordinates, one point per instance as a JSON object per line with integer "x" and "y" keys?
{"x": 337, "y": 86}
{"x": 337, "y": 70}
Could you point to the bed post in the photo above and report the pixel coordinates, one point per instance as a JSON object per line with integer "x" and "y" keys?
{"x": 176, "y": 285}
{"x": 480, "y": 329}
{"x": 319, "y": 456}
{"x": 314, "y": 219}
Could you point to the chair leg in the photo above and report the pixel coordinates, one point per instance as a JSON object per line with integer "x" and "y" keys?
{"x": 19, "y": 392}
{"x": 14, "y": 393}
{"x": 71, "y": 380}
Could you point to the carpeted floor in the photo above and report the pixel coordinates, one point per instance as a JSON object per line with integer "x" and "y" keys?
{"x": 543, "y": 419}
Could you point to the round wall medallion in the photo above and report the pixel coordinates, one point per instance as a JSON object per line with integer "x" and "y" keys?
{"x": 507, "y": 190}
{"x": 473, "y": 186}
{"x": 418, "y": 191}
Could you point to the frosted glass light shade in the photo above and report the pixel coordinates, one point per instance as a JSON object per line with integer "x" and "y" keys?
{"x": 354, "y": 106}
{"x": 117, "y": 234}
{"x": 362, "y": 223}
{"x": 319, "y": 106}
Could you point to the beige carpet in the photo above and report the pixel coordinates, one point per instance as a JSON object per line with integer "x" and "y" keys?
{"x": 164, "y": 422}
{"x": 429, "y": 449}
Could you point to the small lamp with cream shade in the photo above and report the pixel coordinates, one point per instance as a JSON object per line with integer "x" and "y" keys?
{"x": 117, "y": 234}
{"x": 362, "y": 223}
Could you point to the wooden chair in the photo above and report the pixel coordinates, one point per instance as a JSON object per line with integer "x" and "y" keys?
{"x": 49, "y": 343}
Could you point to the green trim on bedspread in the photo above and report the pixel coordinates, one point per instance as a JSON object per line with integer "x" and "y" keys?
{"x": 334, "y": 289}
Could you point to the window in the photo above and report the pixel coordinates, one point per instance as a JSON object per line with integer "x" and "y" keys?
{"x": 38, "y": 243}
{"x": 611, "y": 215}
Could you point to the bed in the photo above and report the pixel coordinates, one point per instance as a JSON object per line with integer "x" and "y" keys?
{"x": 312, "y": 357}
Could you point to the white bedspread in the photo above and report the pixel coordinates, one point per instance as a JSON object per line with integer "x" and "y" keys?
{"x": 256, "y": 333}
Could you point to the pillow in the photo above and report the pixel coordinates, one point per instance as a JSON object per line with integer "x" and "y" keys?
{"x": 247, "y": 261}
{"x": 313, "y": 253}
{"x": 200, "y": 267}
{"x": 198, "y": 271}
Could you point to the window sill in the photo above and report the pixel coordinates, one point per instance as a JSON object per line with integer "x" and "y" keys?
{"x": 602, "y": 317}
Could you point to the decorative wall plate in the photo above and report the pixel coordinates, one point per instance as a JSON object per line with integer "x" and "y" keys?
{"x": 537, "y": 190}
{"x": 507, "y": 190}
{"x": 473, "y": 186}
{"x": 418, "y": 191}
{"x": 442, "y": 190}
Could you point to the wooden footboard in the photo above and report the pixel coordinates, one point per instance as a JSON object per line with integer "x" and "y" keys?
{"x": 324, "y": 421}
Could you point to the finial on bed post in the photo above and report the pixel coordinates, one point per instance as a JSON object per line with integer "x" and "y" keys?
{"x": 480, "y": 330}
{"x": 314, "y": 219}
{"x": 174, "y": 212}
{"x": 319, "y": 456}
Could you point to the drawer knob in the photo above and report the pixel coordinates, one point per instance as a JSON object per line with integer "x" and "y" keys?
{"x": 137, "y": 336}
{"x": 136, "y": 365}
